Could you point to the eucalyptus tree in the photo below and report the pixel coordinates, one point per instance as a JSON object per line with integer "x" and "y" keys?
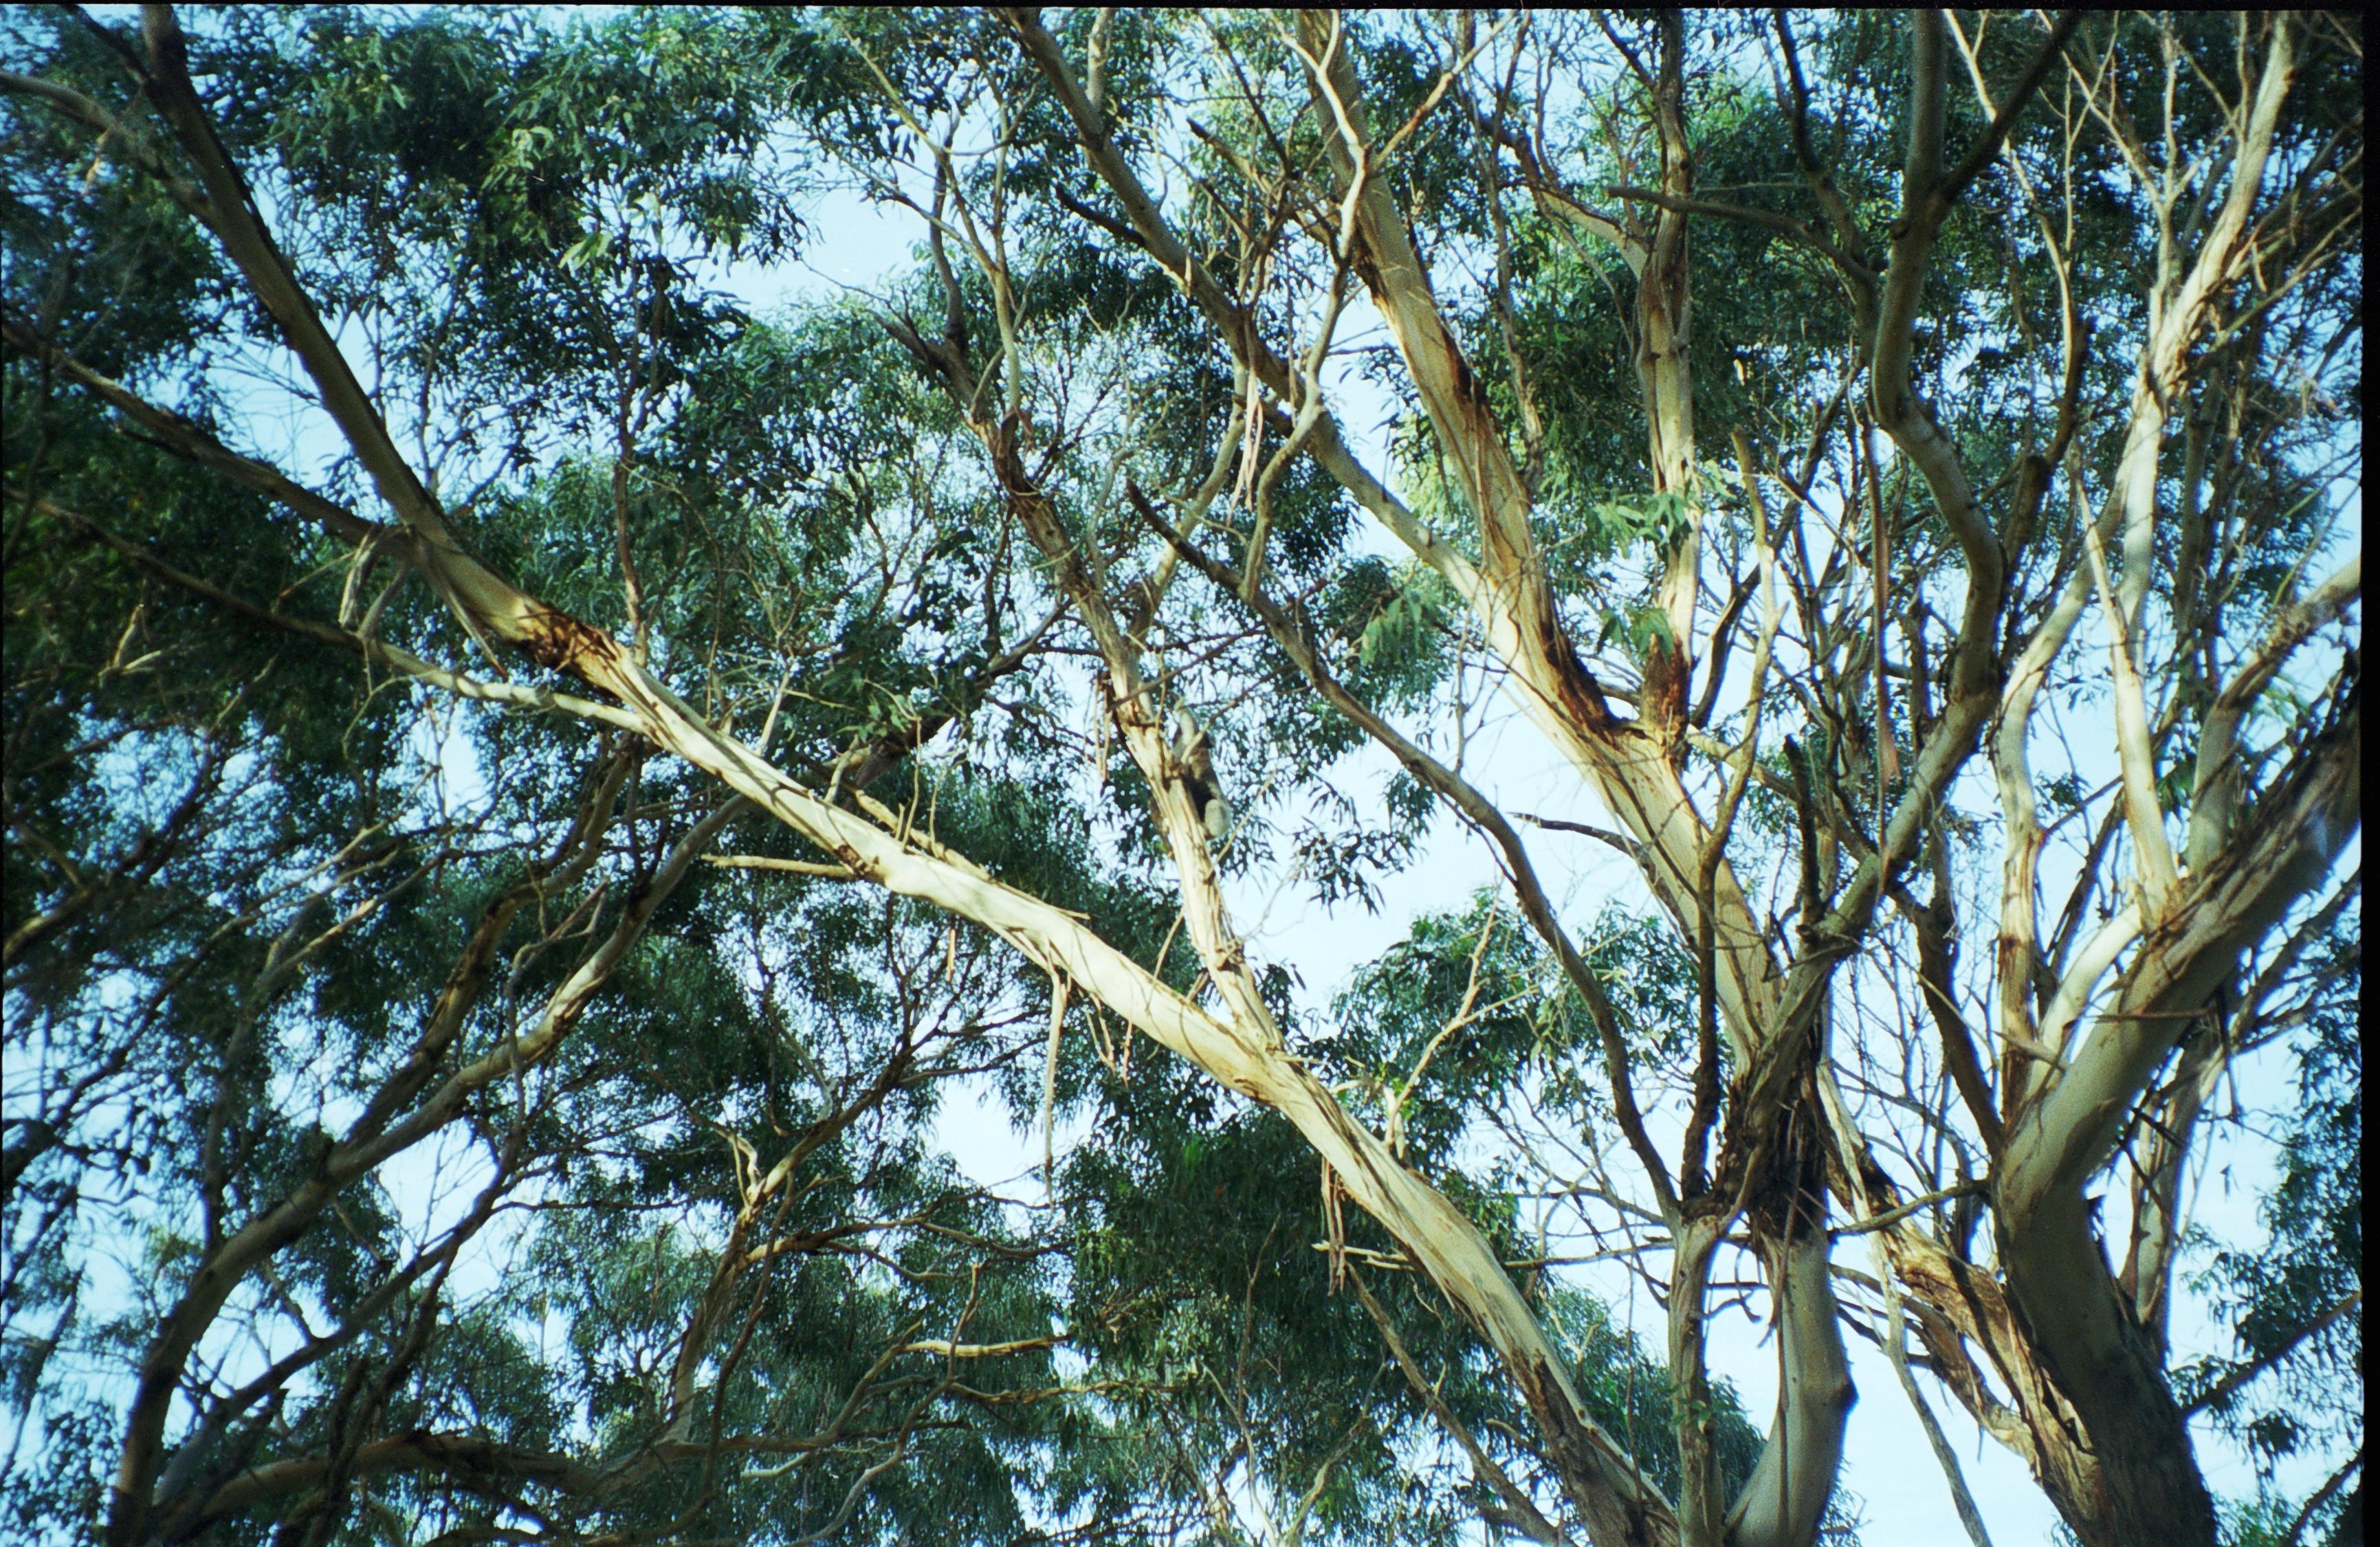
{"x": 904, "y": 690}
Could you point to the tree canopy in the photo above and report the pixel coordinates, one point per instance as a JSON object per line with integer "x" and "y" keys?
{"x": 540, "y": 791}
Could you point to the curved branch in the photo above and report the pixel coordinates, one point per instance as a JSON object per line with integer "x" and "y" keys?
{"x": 113, "y": 130}
{"x": 1770, "y": 220}
{"x": 2220, "y": 1392}
{"x": 475, "y": 1463}
{"x": 1987, "y": 145}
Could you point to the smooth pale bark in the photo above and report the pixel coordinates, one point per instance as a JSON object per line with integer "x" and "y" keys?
{"x": 1785, "y": 1497}
{"x": 1509, "y": 593}
{"x": 1534, "y": 904}
{"x": 1442, "y": 1241}
{"x": 1665, "y": 331}
{"x": 2217, "y": 787}
{"x": 2288, "y": 846}
{"x": 1602, "y": 1481}
{"x": 2128, "y": 1476}
{"x": 1626, "y": 766}
{"x": 2018, "y": 946}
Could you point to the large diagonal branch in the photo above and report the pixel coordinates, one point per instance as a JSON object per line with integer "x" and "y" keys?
{"x": 378, "y": 651}
{"x": 2219, "y": 778}
{"x": 1768, "y": 1022}
{"x": 1445, "y": 1244}
{"x": 2284, "y": 850}
{"x": 1804, "y": 1445}
{"x": 2083, "y": 1329}
{"x": 468, "y": 586}
{"x": 1630, "y": 768}
{"x": 1596, "y": 1470}
{"x": 1796, "y": 1474}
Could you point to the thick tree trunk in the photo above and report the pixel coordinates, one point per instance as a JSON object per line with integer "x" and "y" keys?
{"x": 1785, "y": 1500}
{"x": 2125, "y": 1475}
